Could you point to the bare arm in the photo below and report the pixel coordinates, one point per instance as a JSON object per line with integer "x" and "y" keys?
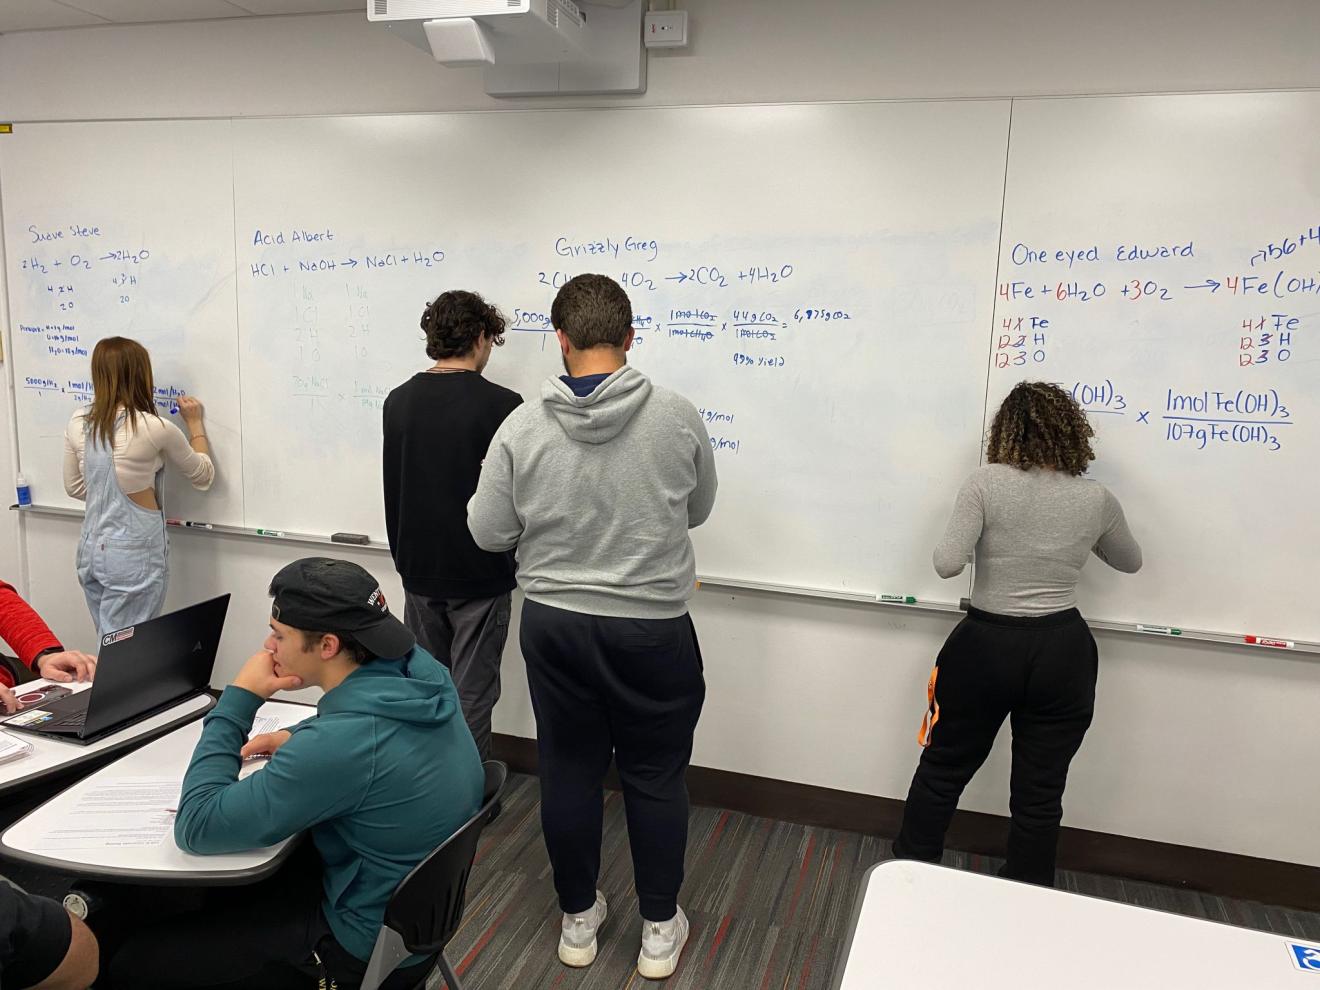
{"x": 190, "y": 410}
{"x": 80, "y": 965}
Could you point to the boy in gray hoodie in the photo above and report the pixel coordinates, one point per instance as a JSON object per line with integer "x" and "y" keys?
{"x": 597, "y": 485}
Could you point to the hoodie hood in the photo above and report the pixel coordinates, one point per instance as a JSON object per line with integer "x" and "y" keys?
{"x": 599, "y": 417}
{"x": 418, "y": 697}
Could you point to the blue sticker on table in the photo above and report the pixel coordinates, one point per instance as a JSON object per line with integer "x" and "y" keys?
{"x": 1306, "y": 957}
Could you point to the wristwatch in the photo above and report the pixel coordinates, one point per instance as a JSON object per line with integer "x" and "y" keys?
{"x": 36, "y": 661}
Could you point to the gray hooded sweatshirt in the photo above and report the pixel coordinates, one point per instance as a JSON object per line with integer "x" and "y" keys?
{"x": 597, "y": 493}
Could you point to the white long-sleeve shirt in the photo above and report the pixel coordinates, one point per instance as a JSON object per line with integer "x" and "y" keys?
{"x": 139, "y": 454}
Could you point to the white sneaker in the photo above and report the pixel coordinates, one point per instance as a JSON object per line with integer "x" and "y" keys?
{"x": 577, "y": 935}
{"x": 662, "y": 944}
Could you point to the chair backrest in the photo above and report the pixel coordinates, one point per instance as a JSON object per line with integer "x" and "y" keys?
{"x": 428, "y": 904}
{"x": 19, "y": 673}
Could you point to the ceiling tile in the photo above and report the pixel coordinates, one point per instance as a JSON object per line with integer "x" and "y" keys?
{"x": 36, "y": 15}
{"x": 129, "y": 11}
{"x": 301, "y": 6}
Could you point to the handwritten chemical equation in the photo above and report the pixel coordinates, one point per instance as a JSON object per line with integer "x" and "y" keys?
{"x": 704, "y": 325}
{"x": 80, "y": 391}
{"x": 698, "y": 276}
{"x": 1278, "y": 285}
{"x": 397, "y": 260}
{"x": 1203, "y": 419}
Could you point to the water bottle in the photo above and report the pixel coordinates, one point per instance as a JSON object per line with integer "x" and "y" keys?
{"x": 24, "y": 492}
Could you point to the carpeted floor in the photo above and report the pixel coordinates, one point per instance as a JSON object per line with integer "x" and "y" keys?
{"x": 769, "y": 903}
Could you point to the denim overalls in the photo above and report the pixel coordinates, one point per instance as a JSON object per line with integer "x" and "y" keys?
{"x": 123, "y": 549}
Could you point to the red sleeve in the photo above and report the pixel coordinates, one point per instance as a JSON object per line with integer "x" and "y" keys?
{"x": 22, "y": 628}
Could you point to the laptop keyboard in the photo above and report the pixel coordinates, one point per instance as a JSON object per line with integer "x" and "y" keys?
{"x": 74, "y": 720}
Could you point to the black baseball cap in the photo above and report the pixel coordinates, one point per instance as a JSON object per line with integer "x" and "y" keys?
{"x": 323, "y": 594}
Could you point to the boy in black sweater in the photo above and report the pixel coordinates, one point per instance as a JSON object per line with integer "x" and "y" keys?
{"x": 438, "y": 425}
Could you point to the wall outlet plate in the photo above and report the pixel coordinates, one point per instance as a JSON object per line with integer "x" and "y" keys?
{"x": 665, "y": 29}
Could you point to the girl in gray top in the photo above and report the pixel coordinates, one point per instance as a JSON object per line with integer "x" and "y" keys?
{"x": 1023, "y": 651}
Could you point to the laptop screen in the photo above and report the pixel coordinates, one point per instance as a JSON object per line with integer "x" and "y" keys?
{"x": 153, "y": 663}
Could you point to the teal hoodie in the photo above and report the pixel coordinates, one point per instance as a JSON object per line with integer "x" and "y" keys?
{"x": 383, "y": 774}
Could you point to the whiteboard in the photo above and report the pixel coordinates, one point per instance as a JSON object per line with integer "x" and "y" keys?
{"x": 123, "y": 229}
{"x": 811, "y": 277}
{"x": 1202, "y": 388}
{"x": 738, "y": 230}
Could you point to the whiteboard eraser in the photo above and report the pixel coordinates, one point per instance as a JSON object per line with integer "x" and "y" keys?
{"x": 360, "y": 539}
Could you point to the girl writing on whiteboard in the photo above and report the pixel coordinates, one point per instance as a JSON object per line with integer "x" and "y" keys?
{"x": 1023, "y": 651}
{"x": 114, "y": 454}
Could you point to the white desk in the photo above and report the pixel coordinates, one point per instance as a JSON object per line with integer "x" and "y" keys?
{"x": 51, "y": 757}
{"x": 165, "y": 863}
{"x": 918, "y": 925}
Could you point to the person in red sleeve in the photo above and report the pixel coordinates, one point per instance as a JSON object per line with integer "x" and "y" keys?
{"x": 36, "y": 646}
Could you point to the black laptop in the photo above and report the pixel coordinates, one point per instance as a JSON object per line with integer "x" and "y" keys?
{"x": 141, "y": 671}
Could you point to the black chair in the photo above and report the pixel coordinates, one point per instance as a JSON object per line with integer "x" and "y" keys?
{"x": 17, "y": 671}
{"x": 427, "y": 906}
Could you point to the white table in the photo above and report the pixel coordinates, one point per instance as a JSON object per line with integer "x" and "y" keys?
{"x": 166, "y": 863}
{"x": 52, "y": 757}
{"x": 933, "y": 928}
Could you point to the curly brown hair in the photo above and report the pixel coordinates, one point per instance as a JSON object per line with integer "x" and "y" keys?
{"x": 457, "y": 321}
{"x": 1040, "y": 425}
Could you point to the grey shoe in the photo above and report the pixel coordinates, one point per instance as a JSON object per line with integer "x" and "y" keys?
{"x": 662, "y": 944}
{"x": 577, "y": 935}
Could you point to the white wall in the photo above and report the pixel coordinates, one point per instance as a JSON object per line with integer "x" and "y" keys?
{"x": 1192, "y": 744}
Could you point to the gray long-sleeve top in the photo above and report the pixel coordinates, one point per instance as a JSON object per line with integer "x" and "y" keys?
{"x": 1031, "y": 532}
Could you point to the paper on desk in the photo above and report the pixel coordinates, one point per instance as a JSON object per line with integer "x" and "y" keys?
{"x": 13, "y": 749}
{"x": 264, "y": 723}
{"x": 128, "y": 812}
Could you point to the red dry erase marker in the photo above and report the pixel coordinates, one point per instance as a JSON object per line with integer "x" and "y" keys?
{"x": 1278, "y": 644}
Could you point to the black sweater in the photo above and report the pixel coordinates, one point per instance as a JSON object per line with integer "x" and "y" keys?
{"x": 437, "y": 430}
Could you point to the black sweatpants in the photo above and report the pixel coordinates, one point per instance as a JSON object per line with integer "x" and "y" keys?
{"x": 268, "y": 936}
{"x": 1040, "y": 672}
{"x": 631, "y": 688}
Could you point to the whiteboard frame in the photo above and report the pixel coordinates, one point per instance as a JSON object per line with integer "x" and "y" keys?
{"x": 733, "y": 584}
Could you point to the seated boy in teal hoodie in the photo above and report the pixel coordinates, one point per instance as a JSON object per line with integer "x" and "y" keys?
{"x": 384, "y": 772}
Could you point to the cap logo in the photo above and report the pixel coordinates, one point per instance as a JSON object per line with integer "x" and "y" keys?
{"x": 377, "y": 600}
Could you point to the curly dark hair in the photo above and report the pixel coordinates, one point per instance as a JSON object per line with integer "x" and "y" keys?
{"x": 1040, "y": 425}
{"x": 457, "y": 321}
{"x": 593, "y": 311}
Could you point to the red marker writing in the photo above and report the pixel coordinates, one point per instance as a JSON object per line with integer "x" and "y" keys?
{"x": 1278, "y": 644}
